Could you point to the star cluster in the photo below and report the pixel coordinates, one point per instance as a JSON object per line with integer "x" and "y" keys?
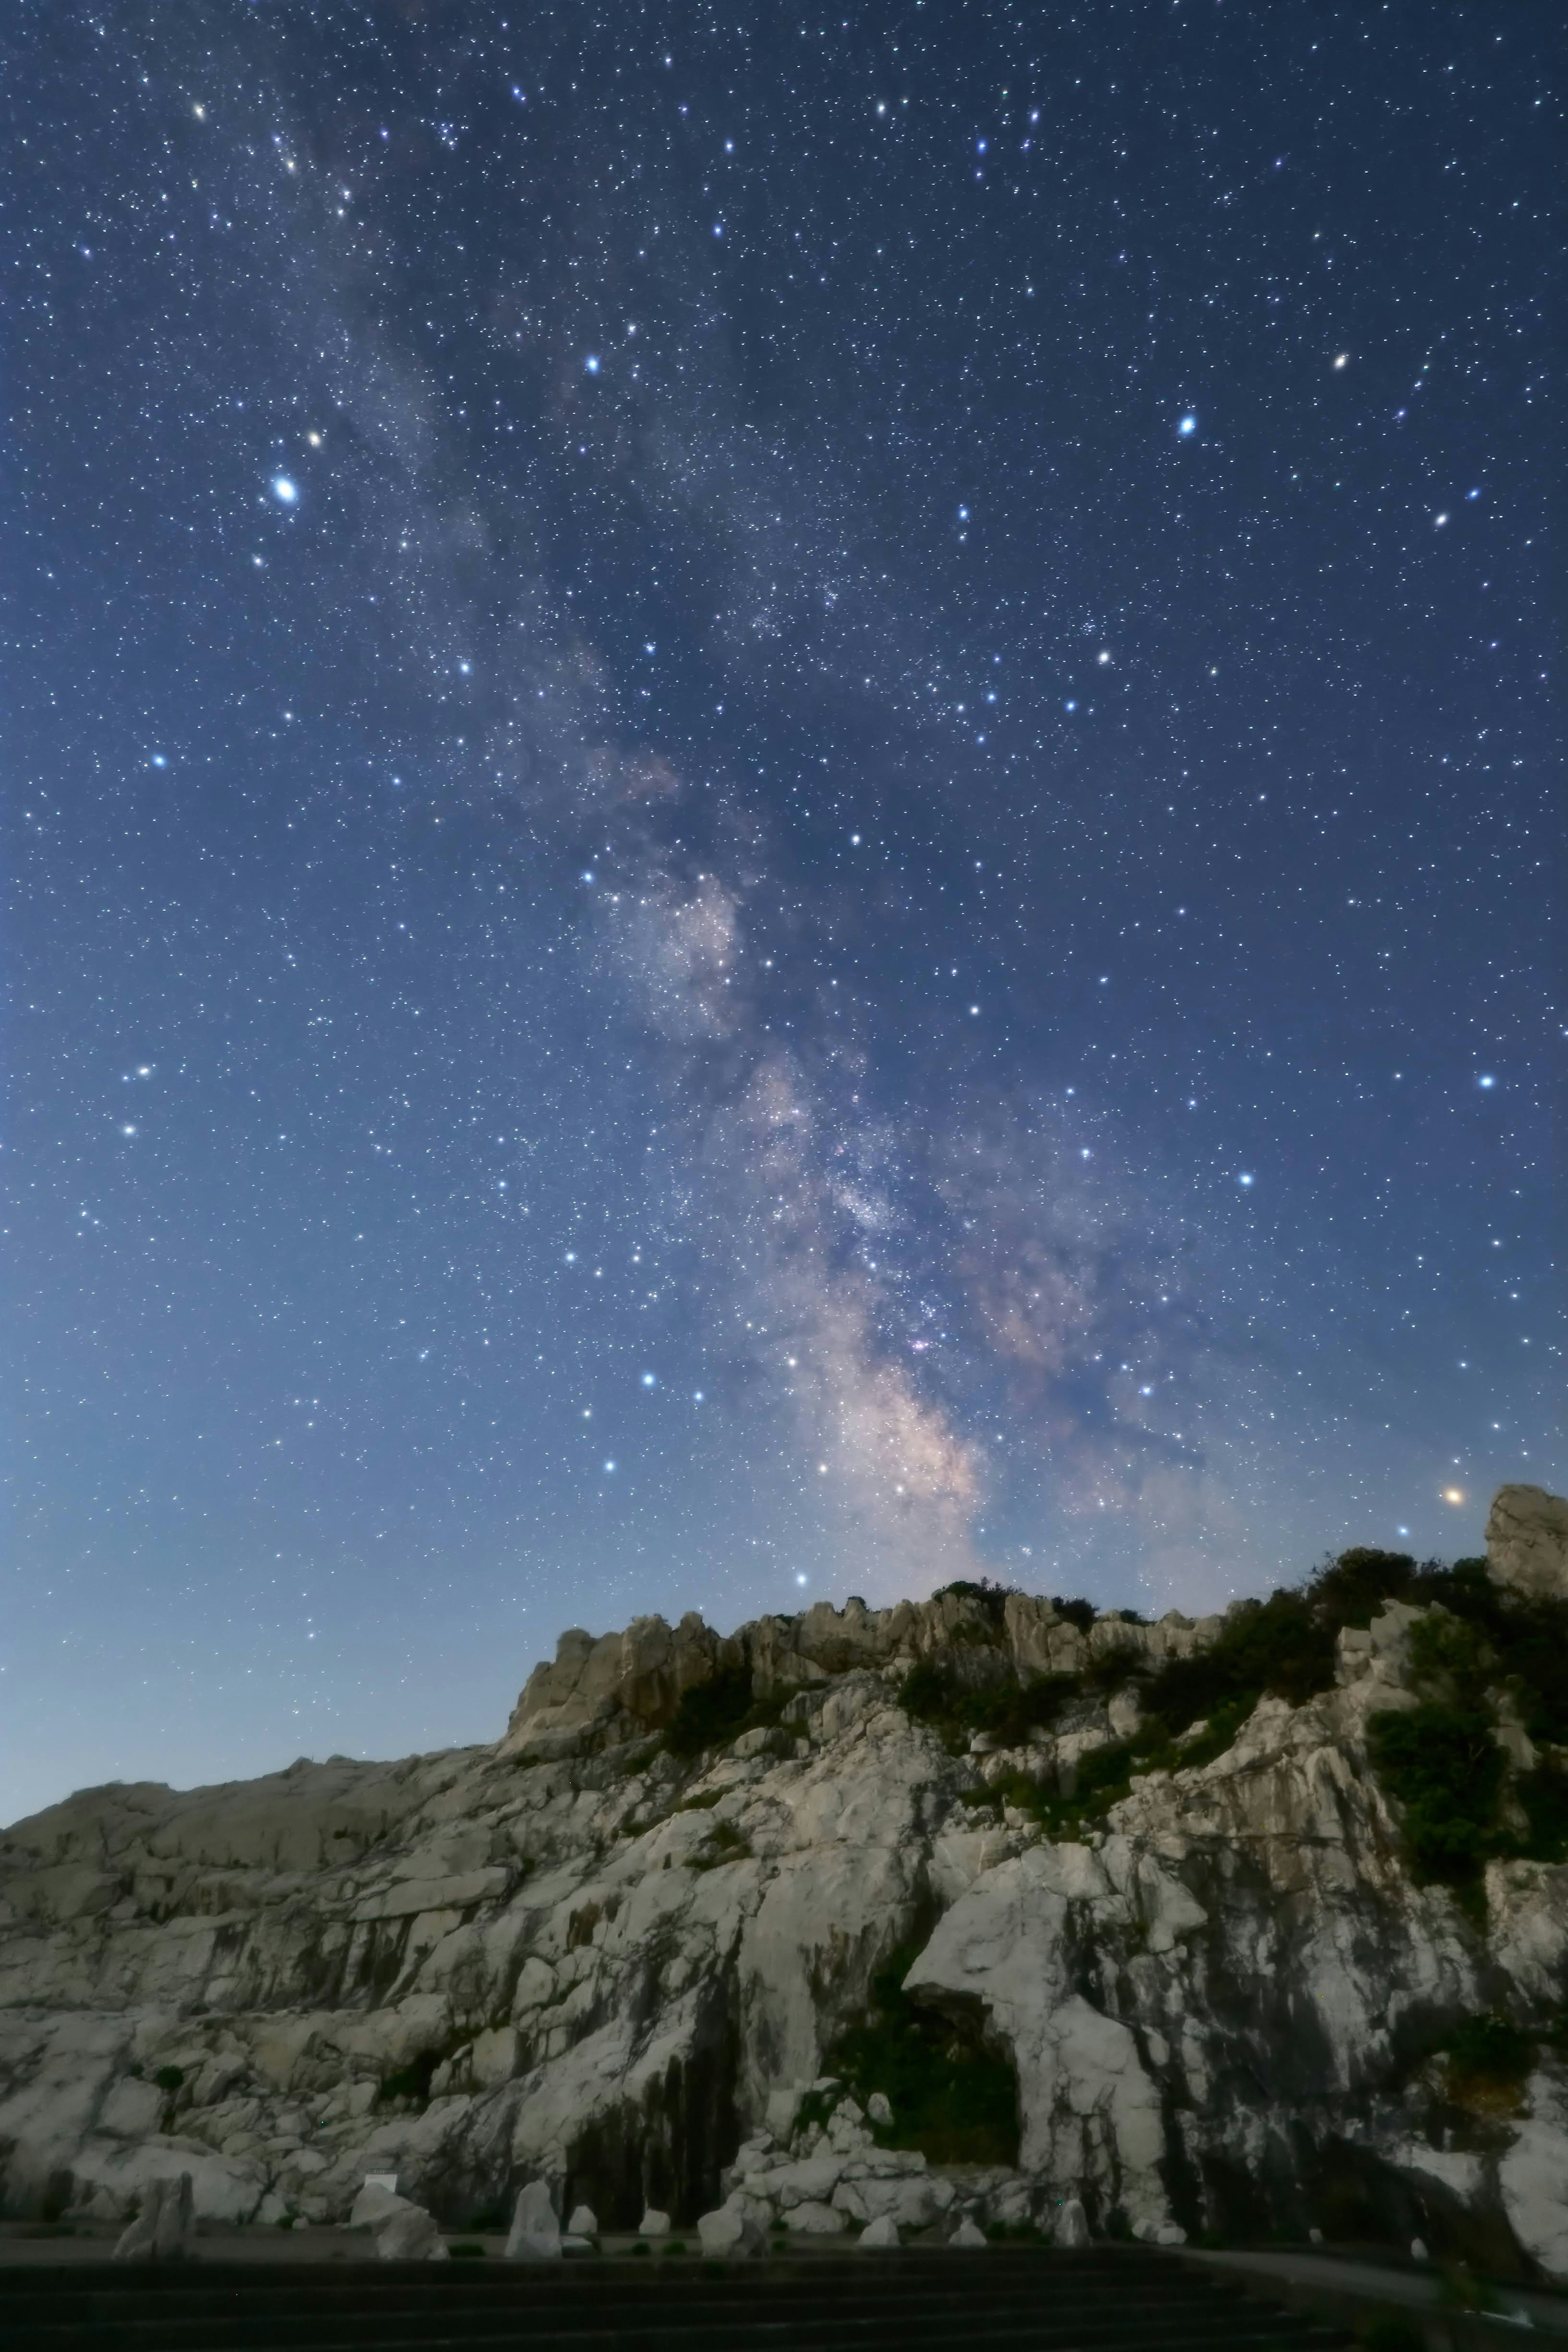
{"x": 781, "y": 825}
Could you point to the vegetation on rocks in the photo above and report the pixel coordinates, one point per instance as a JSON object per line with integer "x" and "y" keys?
{"x": 711, "y": 1714}
{"x": 952, "y": 2096}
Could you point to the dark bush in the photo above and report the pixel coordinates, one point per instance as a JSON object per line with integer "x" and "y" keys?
{"x": 1446, "y": 1769}
{"x": 724, "y": 1843}
{"x": 1113, "y": 1667}
{"x": 1544, "y": 1794}
{"x": 1485, "y": 2054}
{"x": 169, "y": 2078}
{"x": 1352, "y": 1589}
{"x": 1280, "y": 1645}
{"x": 951, "y": 2097}
{"x": 710, "y": 1714}
{"x": 1007, "y": 1711}
{"x": 1080, "y": 1613}
{"x": 992, "y": 1599}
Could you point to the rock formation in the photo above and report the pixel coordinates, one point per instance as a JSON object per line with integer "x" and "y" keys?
{"x": 980, "y": 1909}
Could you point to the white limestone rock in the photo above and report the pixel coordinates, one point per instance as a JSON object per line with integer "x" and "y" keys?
{"x": 813, "y": 2220}
{"x": 880, "y": 2233}
{"x": 967, "y": 2235}
{"x": 410, "y": 2235}
{"x": 164, "y": 2226}
{"x": 1071, "y": 2224}
{"x": 374, "y": 2204}
{"x": 1527, "y": 1542}
{"x": 731, "y": 2230}
{"x": 583, "y": 2221}
{"x": 535, "y": 2233}
{"x": 653, "y": 2224}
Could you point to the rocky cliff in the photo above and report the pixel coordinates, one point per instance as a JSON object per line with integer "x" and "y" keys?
{"x": 1254, "y": 1924}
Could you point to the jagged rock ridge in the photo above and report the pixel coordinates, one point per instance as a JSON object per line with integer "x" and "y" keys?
{"x": 624, "y": 1949}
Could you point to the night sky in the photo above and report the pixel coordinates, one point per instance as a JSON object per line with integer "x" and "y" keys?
{"x": 781, "y": 824}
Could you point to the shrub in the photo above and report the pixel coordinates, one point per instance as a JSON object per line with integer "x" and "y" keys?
{"x": 1280, "y": 1645}
{"x": 991, "y": 1598}
{"x": 712, "y": 1713}
{"x": 725, "y": 1844}
{"x": 1009, "y": 1712}
{"x": 1077, "y": 1612}
{"x": 1487, "y": 2055}
{"x": 1352, "y": 1589}
{"x": 952, "y": 2097}
{"x": 1544, "y": 1794}
{"x": 1444, "y": 1766}
{"x": 169, "y": 2078}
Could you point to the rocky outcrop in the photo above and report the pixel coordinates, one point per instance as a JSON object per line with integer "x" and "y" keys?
{"x": 626, "y": 1954}
{"x": 1526, "y": 1541}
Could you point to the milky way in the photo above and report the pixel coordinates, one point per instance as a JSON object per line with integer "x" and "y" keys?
{"x": 782, "y": 826}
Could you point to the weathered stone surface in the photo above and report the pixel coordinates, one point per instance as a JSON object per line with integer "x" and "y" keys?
{"x": 878, "y": 2234}
{"x": 535, "y": 2235}
{"x": 410, "y": 2235}
{"x": 653, "y": 2224}
{"x": 164, "y": 2225}
{"x": 544, "y": 1964}
{"x": 815, "y": 2219}
{"x": 1526, "y": 1541}
{"x": 730, "y": 2230}
{"x": 584, "y": 2222}
{"x": 1071, "y": 2224}
{"x": 968, "y": 2234}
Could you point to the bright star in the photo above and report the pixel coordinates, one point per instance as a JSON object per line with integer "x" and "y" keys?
{"x": 591, "y": 364}
{"x": 649, "y": 1382}
{"x": 285, "y": 492}
{"x": 1188, "y": 425}
{"x": 1244, "y": 1179}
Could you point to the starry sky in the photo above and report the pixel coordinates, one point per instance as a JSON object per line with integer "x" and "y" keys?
{"x": 781, "y": 823}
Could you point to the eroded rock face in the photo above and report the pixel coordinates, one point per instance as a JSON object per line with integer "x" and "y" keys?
{"x": 574, "y": 1960}
{"x": 1526, "y": 1541}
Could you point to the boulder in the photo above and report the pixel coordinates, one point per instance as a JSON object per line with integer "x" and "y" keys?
{"x": 814, "y": 2221}
{"x": 1527, "y": 1542}
{"x": 879, "y": 2108}
{"x": 374, "y": 2204}
{"x": 1072, "y": 2224}
{"x": 164, "y": 2225}
{"x": 535, "y": 2235}
{"x": 967, "y": 2234}
{"x": 731, "y": 2230}
{"x": 881, "y": 2232}
{"x": 653, "y": 2224}
{"x": 584, "y": 2221}
{"x": 410, "y": 2235}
